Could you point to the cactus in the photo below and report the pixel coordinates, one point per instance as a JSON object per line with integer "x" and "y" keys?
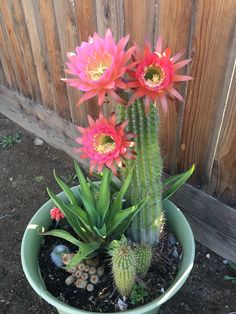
{"x": 143, "y": 253}
{"x": 147, "y": 223}
{"x": 124, "y": 268}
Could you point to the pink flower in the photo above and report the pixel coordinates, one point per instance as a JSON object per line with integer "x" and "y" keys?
{"x": 105, "y": 143}
{"x": 98, "y": 67}
{"x": 155, "y": 74}
{"x": 56, "y": 214}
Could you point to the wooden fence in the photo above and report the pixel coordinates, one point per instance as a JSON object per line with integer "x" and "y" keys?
{"x": 35, "y": 36}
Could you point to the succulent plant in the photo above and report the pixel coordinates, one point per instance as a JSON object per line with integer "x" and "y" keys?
{"x": 84, "y": 276}
{"x": 124, "y": 268}
{"x": 143, "y": 253}
{"x": 94, "y": 219}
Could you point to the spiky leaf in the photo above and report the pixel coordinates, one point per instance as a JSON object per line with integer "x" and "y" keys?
{"x": 85, "y": 250}
{"x": 66, "y": 189}
{"x": 63, "y": 235}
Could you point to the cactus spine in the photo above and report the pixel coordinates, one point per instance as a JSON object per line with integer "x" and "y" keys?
{"x": 143, "y": 253}
{"x": 124, "y": 268}
{"x": 147, "y": 173}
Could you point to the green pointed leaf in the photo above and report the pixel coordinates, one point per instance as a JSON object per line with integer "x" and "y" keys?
{"x": 66, "y": 189}
{"x": 63, "y": 235}
{"x": 232, "y": 265}
{"x": 90, "y": 209}
{"x": 176, "y": 182}
{"x": 84, "y": 185}
{"x": 104, "y": 195}
{"x": 85, "y": 250}
{"x": 102, "y": 232}
{"x": 117, "y": 203}
{"x": 122, "y": 215}
{"x": 226, "y": 277}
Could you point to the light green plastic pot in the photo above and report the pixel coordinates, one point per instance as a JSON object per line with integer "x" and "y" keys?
{"x": 31, "y": 244}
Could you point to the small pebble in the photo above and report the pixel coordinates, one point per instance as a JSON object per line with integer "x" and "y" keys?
{"x": 162, "y": 290}
{"x": 84, "y": 276}
{"x": 11, "y": 179}
{"x": 122, "y": 305}
{"x": 38, "y": 141}
{"x": 226, "y": 262}
{"x": 175, "y": 253}
{"x": 94, "y": 279}
{"x": 100, "y": 271}
{"x": 207, "y": 255}
{"x": 171, "y": 239}
{"x": 69, "y": 280}
{"x": 90, "y": 287}
{"x": 92, "y": 271}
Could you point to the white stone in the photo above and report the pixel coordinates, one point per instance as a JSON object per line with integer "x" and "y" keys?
{"x": 38, "y": 141}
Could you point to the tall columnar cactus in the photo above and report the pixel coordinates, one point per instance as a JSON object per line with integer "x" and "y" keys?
{"x": 124, "y": 268}
{"x": 147, "y": 173}
{"x": 143, "y": 253}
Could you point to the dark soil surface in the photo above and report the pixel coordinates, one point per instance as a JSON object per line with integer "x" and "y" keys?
{"x": 165, "y": 264}
{"x": 25, "y": 171}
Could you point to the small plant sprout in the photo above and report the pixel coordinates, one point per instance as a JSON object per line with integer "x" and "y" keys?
{"x": 10, "y": 140}
{"x": 138, "y": 294}
{"x": 232, "y": 265}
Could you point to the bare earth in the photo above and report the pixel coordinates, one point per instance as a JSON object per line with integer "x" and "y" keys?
{"x": 25, "y": 171}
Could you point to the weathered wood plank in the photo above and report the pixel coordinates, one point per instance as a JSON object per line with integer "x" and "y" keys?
{"x": 176, "y": 35}
{"x": 140, "y": 20}
{"x": 65, "y": 19}
{"x": 213, "y": 223}
{"x": 34, "y": 32}
{"x": 214, "y": 22}
{"x": 53, "y": 52}
{"x": 25, "y": 55}
{"x": 13, "y": 49}
{"x": 222, "y": 184}
{"x": 5, "y": 57}
{"x": 86, "y": 23}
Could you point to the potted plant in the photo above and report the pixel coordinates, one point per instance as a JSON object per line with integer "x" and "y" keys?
{"x": 124, "y": 216}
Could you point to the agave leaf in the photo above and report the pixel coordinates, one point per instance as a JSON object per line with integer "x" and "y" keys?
{"x": 104, "y": 195}
{"x": 85, "y": 250}
{"x": 66, "y": 189}
{"x": 63, "y": 235}
{"x": 84, "y": 185}
{"x": 90, "y": 209}
{"x": 226, "y": 277}
{"x": 102, "y": 232}
{"x": 176, "y": 182}
{"x": 117, "y": 203}
{"x": 232, "y": 265}
{"x": 122, "y": 216}
{"x": 70, "y": 216}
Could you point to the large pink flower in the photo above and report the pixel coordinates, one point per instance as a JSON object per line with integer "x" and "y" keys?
{"x": 155, "y": 74}
{"x": 98, "y": 67}
{"x": 105, "y": 143}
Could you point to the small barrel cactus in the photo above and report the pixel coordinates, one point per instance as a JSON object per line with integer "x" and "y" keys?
{"x": 143, "y": 253}
{"x": 124, "y": 268}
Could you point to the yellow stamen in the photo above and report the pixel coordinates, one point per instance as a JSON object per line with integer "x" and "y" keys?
{"x": 103, "y": 143}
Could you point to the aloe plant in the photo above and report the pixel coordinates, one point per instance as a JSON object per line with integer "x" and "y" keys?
{"x": 98, "y": 217}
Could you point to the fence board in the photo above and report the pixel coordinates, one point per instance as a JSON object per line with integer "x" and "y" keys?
{"x": 36, "y": 46}
{"x": 55, "y": 65}
{"x": 181, "y": 17}
{"x": 224, "y": 169}
{"x": 212, "y": 35}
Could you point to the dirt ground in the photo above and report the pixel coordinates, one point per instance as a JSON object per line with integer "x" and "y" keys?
{"x": 25, "y": 171}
